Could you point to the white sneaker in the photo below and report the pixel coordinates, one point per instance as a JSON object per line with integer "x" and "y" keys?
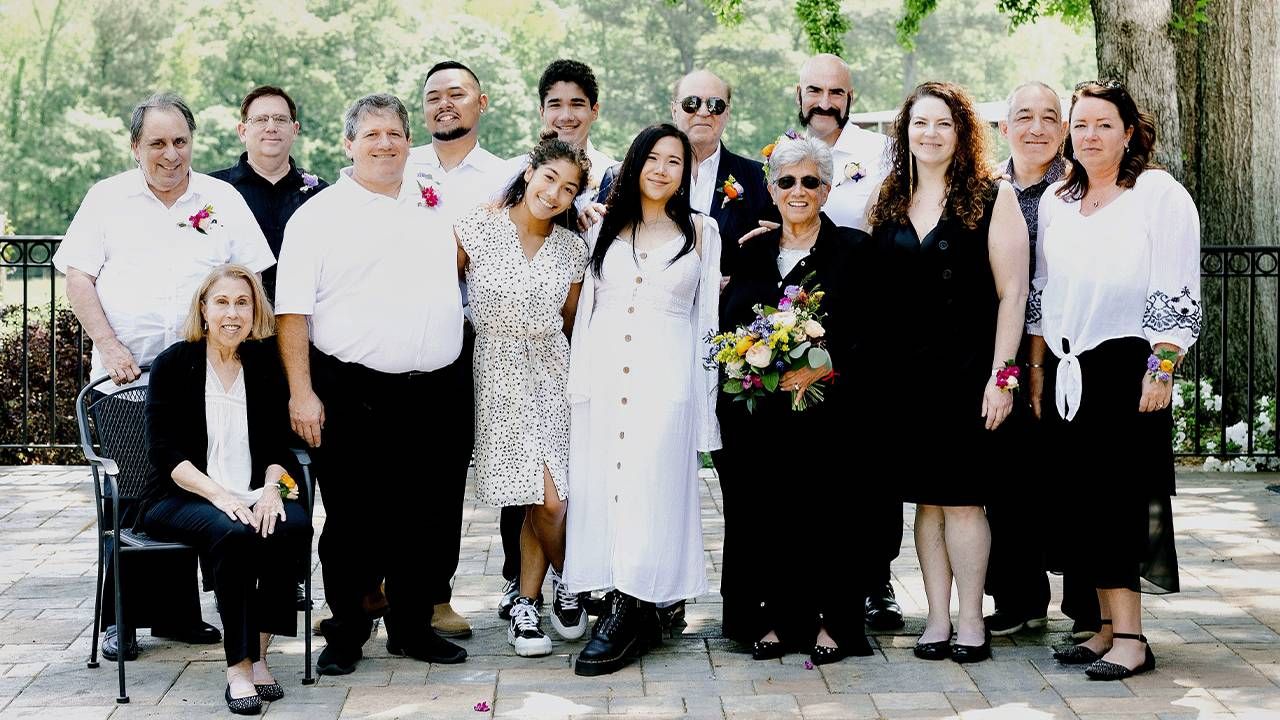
{"x": 568, "y": 616}
{"x": 524, "y": 632}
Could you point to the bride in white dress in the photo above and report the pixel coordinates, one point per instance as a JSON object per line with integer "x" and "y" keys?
{"x": 642, "y": 403}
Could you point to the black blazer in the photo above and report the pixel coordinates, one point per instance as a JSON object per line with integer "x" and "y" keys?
{"x": 734, "y": 218}
{"x": 175, "y": 418}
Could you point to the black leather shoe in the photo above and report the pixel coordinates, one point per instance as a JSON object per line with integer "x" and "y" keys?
{"x": 940, "y": 650}
{"x": 430, "y": 647}
{"x": 1106, "y": 670}
{"x": 767, "y": 650}
{"x": 882, "y": 611}
{"x": 849, "y": 647}
{"x": 672, "y": 618}
{"x": 337, "y": 660}
{"x": 251, "y": 705}
{"x": 200, "y": 634}
{"x": 111, "y": 645}
{"x": 972, "y": 653}
{"x": 300, "y": 598}
{"x": 619, "y": 636}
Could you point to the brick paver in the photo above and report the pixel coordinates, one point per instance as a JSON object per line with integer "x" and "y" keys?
{"x": 1217, "y": 643}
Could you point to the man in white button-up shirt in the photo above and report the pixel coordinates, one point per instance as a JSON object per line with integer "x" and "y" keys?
{"x": 134, "y": 255}
{"x": 825, "y": 96}
{"x": 569, "y": 104}
{"x": 368, "y": 279}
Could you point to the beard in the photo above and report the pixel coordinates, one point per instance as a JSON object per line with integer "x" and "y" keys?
{"x": 806, "y": 118}
{"x": 454, "y": 134}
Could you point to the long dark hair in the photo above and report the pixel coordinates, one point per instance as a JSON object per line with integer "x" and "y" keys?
{"x": 623, "y": 205}
{"x": 1137, "y": 155}
{"x": 969, "y": 181}
{"x": 550, "y": 148}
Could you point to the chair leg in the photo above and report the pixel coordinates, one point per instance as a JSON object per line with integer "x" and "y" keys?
{"x": 122, "y": 633}
{"x": 97, "y": 610}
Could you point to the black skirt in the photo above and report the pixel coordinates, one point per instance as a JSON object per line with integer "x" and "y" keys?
{"x": 1113, "y": 469}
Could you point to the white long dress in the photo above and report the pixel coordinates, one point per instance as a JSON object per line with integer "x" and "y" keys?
{"x": 643, "y": 406}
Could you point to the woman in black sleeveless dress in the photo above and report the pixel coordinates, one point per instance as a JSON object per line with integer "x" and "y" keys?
{"x": 951, "y": 252}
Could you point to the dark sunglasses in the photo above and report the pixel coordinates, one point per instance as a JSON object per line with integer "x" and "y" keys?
{"x": 715, "y": 105}
{"x": 808, "y": 182}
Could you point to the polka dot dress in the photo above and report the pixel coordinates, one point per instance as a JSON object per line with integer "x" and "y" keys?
{"x": 521, "y": 355}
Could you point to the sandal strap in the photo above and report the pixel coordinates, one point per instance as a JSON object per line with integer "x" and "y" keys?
{"x": 1129, "y": 636}
{"x": 1104, "y": 621}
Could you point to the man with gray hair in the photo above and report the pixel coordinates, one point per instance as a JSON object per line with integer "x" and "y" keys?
{"x": 370, "y": 329}
{"x": 135, "y": 253}
{"x": 1035, "y": 127}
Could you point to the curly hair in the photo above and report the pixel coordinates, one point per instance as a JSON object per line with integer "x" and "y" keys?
{"x": 1138, "y": 151}
{"x": 969, "y": 178}
{"x": 550, "y": 148}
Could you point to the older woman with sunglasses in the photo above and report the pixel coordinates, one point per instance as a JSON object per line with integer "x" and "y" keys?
{"x": 785, "y": 471}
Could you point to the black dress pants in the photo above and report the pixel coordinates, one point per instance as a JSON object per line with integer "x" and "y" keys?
{"x": 394, "y": 450}
{"x": 253, "y": 575}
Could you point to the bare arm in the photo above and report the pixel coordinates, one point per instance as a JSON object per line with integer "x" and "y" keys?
{"x": 82, "y": 290}
{"x": 1008, "y": 249}
{"x": 306, "y": 412}
{"x": 570, "y": 309}
{"x": 462, "y": 254}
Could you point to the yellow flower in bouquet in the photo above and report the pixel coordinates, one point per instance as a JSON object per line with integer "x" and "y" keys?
{"x": 288, "y": 487}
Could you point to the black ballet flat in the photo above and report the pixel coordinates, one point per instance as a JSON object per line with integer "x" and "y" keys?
{"x": 972, "y": 653}
{"x": 269, "y": 692}
{"x": 822, "y": 655}
{"x": 251, "y": 705}
{"x": 767, "y": 650}
{"x": 1077, "y": 654}
{"x": 1105, "y": 670}
{"x": 940, "y": 650}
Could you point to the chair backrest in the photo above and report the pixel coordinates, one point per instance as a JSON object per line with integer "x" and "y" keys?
{"x": 112, "y": 424}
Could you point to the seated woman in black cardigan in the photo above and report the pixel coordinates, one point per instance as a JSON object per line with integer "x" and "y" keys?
{"x": 217, "y": 429}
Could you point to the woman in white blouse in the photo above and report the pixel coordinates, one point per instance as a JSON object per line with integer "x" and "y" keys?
{"x": 1116, "y": 303}
{"x": 217, "y": 428}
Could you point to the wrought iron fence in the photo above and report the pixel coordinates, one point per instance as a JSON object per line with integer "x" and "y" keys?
{"x": 1225, "y": 407}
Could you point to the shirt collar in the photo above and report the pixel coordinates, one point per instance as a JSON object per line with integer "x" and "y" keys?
{"x": 359, "y": 193}
{"x": 142, "y": 189}
{"x": 713, "y": 160}
{"x": 243, "y": 169}
{"x": 1056, "y": 170}
{"x": 478, "y": 158}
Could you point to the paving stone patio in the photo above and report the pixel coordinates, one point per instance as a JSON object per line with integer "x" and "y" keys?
{"x": 1217, "y": 642}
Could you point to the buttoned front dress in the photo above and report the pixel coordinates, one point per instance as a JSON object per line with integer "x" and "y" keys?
{"x": 642, "y": 408}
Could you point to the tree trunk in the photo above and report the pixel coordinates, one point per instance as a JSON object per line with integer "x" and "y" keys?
{"x": 1134, "y": 47}
{"x": 908, "y": 72}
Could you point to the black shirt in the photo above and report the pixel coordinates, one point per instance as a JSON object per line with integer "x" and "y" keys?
{"x": 272, "y": 205}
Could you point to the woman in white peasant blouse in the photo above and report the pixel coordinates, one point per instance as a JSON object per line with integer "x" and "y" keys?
{"x": 1116, "y": 303}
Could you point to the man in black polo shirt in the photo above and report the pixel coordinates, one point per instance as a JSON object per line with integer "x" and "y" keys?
{"x": 272, "y": 185}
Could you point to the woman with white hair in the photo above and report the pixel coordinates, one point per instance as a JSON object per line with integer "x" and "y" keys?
{"x": 783, "y": 469}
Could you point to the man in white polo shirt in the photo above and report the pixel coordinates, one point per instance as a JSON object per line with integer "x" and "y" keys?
{"x": 135, "y": 253}
{"x": 370, "y": 329}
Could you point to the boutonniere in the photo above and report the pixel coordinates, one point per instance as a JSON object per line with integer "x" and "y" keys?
{"x": 732, "y": 190}
{"x": 768, "y": 149}
{"x": 427, "y": 188}
{"x": 287, "y": 486}
{"x": 309, "y": 182}
{"x": 197, "y": 221}
{"x": 853, "y": 172}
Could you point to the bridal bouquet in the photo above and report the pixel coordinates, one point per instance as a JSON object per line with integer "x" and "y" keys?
{"x": 790, "y": 336}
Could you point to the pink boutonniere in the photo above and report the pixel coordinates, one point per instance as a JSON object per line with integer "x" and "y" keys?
{"x": 309, "y": 182}
{"x": 198, "y": 221}
{"x": 427, "y": 187}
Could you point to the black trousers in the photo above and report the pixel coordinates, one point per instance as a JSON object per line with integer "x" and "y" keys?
{"x": 882, "y": 515}
{"x": 391, "y": 514}
{"x": 510, "y": 521}
{"x": 253, "y": 576}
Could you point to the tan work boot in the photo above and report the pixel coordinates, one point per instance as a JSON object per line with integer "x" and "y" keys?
{"x": 448, "y": 623}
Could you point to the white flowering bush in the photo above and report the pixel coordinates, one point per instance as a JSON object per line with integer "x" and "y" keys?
{"x": 1210, "y": 421}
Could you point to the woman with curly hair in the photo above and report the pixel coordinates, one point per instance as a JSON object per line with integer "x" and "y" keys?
{"x": 951, "y": 250}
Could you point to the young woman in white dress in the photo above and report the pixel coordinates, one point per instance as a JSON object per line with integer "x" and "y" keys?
{"x": 642, "y": 403}
{"x": 524, "y": 265}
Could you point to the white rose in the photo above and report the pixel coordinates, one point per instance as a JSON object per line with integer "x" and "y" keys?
{"x": 733, "y": 368}
{"x": 814, "y": 329}
{"x": 759, "y": 355}
{"x": 784, "y": 319}
{"x": 1011, "y": 382}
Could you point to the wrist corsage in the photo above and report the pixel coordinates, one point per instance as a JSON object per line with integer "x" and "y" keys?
{"x": 1160, "y": 365}
{"x": 288, "y": 487}
{"x": 1007, "y": 376}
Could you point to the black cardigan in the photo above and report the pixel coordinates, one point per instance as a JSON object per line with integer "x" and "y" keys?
{"x": 175, "y": 414}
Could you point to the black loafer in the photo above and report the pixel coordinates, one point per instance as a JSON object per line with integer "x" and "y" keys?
{"x": 337, "y": 660}
{"x": 111, "y": 645}
{"x": 251, "y": 705}
{"x": 200, "y": 634}
{"x": 881, "y": 609}
{"x": 940, "y": 650}
{"x": 429, "y": 648}
{"x": 767, "y": 650}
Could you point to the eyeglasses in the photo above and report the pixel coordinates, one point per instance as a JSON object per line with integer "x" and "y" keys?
{"x": 262, "y": 120}
{"x": 715, "y": 105}
{"x": 1108, "y": 84}
{"x": 808, "y": 182}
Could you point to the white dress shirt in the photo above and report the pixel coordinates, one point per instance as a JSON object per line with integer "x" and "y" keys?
{"x": 847, "y": 203}
{"x": 377, "y": 275}
{"x": 480, "y": 178}
{"x": 147, "y": 266}
{"x": 1131, "y": 269}
{"x": 704, "y": 185}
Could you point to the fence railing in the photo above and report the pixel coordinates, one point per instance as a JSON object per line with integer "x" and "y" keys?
{"x": 1225, "y": 404}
